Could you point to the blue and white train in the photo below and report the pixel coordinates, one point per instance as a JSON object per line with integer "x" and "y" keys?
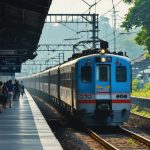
{"x": 95, "y": 88}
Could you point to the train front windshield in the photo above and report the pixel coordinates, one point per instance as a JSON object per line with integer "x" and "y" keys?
{"x": 103, "y": 73}
{"x": 103, "y": 79}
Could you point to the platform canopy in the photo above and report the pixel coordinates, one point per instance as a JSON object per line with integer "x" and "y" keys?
{"x": 21, "y": 24}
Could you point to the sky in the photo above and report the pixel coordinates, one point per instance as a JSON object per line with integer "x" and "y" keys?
{"x": 103, "y": 7}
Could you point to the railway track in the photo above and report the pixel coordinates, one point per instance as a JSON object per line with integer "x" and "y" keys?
{"x": 136, "y": 136}
{"x": 121, "y": 139}
{"x": 101, "y": 140}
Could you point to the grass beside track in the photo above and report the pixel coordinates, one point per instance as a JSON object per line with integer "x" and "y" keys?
{"x": 139, "y": 111}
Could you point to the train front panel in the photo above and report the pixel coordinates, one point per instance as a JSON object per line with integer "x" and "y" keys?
{"x": 97, "y": 86}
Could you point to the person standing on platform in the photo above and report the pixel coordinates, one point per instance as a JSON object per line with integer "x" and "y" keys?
{"x": 10, "y": 93}
{"x": 16, "y": 91}
{"x": 5, "y": 94}
{"x": 22, "y": 88}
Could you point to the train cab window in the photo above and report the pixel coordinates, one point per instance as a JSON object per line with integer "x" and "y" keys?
{"x": 103, "y": 73}
{"x": 121, "y": 74}
{"x": 86, "y": 74}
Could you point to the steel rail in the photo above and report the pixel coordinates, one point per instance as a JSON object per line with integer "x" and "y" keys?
{"x": 136, "y": 136}
{"x": 101, "y": 140}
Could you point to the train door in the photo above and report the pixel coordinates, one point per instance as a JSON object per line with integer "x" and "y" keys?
{"x": 103, "y": 87}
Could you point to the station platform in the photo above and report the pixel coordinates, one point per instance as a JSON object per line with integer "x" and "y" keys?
{"x": 23, "y": 127}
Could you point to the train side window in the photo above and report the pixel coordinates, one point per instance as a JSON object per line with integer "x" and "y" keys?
{"x": 121, "y": 74}
{"x": 86, "y": 74}
{"x": 103, "y": 73}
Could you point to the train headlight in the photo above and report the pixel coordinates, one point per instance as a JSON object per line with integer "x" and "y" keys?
{"x": 103, "y": 59}
{"x": 103, "y": 51}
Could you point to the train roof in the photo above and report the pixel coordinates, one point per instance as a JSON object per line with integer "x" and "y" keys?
{"x": 74, "y": 61}
{"x": 71, "y": 62}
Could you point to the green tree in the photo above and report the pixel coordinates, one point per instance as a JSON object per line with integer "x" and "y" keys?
{"x": 139, "y": 16}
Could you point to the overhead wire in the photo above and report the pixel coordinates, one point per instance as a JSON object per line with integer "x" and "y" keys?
{"x": 108, "y": 10}
{"x": 86, "y": 24}
{"x": 111, "y": 8}
{"x": 85, "y": 12}
{"x": 95, "y": 10}
{"x": 91, "y": 6}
